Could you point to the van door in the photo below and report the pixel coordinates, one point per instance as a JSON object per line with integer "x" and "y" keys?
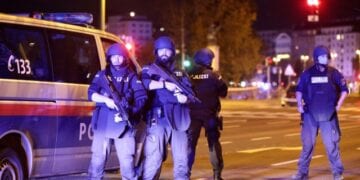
{"x": 75, "y": 62}
{"x": 27, "y": 105}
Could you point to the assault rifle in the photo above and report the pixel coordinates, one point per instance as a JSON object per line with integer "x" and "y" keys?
{"x": 110, "y": 88}
{"x": 187, "y": 91}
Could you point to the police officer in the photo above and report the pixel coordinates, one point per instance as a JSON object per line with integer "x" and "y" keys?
{"x": 209, "y": 87}
{"x": 108, "y": 126}
{"x": 322, "y": 89}
{"x": 168, "y": 116}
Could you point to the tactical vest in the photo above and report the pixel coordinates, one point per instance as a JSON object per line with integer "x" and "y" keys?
{"x": 322, "y": 94}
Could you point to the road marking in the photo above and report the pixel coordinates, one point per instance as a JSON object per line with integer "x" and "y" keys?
{"x": 292, "y": 134}
{"x": 277, "y": 122}
{"x": 228, "y": 127}
{"x": 349, "y": 127}
{"x": 293, "y": 161}
{"x": 225, "y": 142}
{"x": 250, "y": 151}
{"x": 260, "y": 138}
{"x": 235, "y": 121}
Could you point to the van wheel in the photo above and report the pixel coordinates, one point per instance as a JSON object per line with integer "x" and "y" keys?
{"x": 10, "y": 165}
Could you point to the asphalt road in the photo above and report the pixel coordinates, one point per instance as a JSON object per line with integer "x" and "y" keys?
{"x": 261, "y": 140}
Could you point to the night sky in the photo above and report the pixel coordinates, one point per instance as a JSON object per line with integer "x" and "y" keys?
{"x": 272, "y": 14}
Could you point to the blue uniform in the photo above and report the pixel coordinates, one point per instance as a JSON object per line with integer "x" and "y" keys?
{"x": 167, "y": 122}
{"x": 320, "y": 92}
{"x": 106, "y": 130}
{"x": 209, "y": 87}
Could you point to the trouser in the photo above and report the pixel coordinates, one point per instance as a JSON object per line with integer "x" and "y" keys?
{"x": 212, "y": 134}
{"x": 125, "y": 150}
{"x": 155, "y": 152}
{"x": 330, "y": 133}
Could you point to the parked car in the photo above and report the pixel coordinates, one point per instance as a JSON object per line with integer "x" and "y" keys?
{"x": 289, "y": 97}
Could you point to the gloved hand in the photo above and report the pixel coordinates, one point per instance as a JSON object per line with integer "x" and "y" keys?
{"x": 110, "y": 103}
{"x": 171, "y": 86}
{"x": 182, "y": 99}
{"x": 300, "y": 109}
{"x": 337, "y": 107}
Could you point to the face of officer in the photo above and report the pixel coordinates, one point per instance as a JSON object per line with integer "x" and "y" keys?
{"x": 117, "y": 60}
{"x": 323, "y": 59}
{"x": 164, "y": 54}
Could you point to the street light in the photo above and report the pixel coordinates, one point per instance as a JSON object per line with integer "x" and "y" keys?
{"x": 304, "y": 59}
{"x": 132, "y": 14}
{"x": 279, "y": 70}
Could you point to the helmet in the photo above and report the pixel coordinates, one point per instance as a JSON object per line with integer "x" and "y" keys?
{"x": 320, "y": 50}
{"x": 204, "y": 57}
{"x": 117, "y": 49}
{"x": 164, "y": 42}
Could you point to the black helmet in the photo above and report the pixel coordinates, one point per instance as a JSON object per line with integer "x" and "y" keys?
{"x": 164, "y": 42}
{"x": 204, "y": 57}
{"x": 320, "y": 50}
{"x": 117, "y": 49}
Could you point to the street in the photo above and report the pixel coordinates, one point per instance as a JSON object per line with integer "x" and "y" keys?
{"x": 261, "y": 140}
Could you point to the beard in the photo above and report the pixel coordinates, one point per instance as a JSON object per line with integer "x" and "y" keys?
{"x": 165, "y": 61}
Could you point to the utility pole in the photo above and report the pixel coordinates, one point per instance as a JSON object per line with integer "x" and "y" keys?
{"x": 102, "y": 14}
{"x": 182, "y": 31}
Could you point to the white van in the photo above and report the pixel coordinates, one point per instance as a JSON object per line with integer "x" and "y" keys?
{"x": 45, "y": 69}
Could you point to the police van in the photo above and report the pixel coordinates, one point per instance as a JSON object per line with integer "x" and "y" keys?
{"x": 45, "y": 69}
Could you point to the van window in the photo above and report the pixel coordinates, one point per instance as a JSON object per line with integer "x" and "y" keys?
{"x": 106, "y": 43}
{"x": 74, "y": 55}
{"x": 23, "y": 53}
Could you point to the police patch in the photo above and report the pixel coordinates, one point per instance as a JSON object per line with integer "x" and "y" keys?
{"x": 319, "y": 79}
{"x": 200, "y": 76}
{"x": 178, "y": 73}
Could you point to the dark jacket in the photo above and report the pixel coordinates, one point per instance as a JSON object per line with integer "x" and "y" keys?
{"x": 176, "y": 114}
{"x": 131, "y": 90}
{"x": 209, "y": 87}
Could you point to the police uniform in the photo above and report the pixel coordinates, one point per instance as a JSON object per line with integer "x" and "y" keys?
{"x": 167, "y": 122}
{"x": 320, "y": 93}
{"x": 209, "y": 87}
{"x": 106, "y": 130}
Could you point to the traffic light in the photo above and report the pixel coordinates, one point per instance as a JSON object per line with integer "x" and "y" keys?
{"x": 186, "y": 63}
{"x": 313, "y": 15}
{"x": 314, "y": 3}
{"x": 269, "y": 61}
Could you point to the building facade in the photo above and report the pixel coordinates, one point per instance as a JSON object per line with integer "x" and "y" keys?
{"x": 343, "y": 40}
{"x": 139, "y": 28}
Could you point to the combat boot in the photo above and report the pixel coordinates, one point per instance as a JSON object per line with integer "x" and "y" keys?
{"x": 338, "y": 177}
{"x": 217, "y": 176}
{"x": 300, "y": 176}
